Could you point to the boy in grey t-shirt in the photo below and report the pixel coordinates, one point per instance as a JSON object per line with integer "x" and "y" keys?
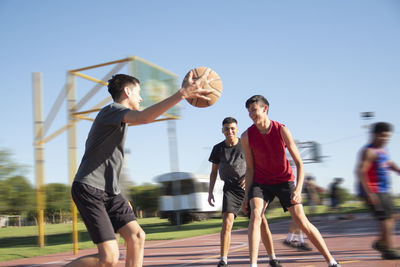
{"x": 95, "y": 190}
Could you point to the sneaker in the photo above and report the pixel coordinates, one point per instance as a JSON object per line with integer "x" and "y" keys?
{"x": 377, "y": 245}
{"x": 335, "y": 265}
{"x": 391, "y": 254}
{"x": 222, "y": 264}
{"x": 274, "y": 263}
{"x": 287, "y": 243}
{"x": 304, "y": 246}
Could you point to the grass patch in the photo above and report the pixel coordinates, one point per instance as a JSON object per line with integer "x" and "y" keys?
{"x": 22, "y": 242}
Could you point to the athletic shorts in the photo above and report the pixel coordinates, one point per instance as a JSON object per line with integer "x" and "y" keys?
{"x": 232, "y": 199}
{"x": 282, "y": 191}
{"x": 386, "y": 210}
{"x": 103, "y": 214}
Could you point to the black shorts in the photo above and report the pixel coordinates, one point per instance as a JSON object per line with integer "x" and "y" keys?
{"x": 386, "y": 210}
{"x": 233, "y": 199}
{"x": 103, "y": 214}
{"x": 268, "y": 192}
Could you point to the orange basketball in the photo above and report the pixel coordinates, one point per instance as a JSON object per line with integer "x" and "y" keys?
{"x": 215, "y": 85}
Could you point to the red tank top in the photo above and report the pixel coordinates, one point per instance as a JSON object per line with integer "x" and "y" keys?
{"x": 269, "y": 155}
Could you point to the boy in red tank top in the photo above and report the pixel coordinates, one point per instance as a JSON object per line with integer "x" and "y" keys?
{"x": 268, "y": 174}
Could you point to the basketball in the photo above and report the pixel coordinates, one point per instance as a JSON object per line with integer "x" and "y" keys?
{"x": 215, "y": 85}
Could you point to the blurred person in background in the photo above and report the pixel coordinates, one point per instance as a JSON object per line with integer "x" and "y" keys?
{"x": 311, "y": 191}
{"x": 312, "y": 194}
{"x": 374, "y": 187}
{"x": 334, "y": 193}
{"x": 337, "y": 196}
{"x": 295, "y": 238}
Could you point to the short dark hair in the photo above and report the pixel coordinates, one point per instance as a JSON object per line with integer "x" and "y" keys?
{"x": 338, "y": 180}
{"x": 310, "y": 178}
{"x": 257, "y": 99}
{"x": 228, "y": 120}
{"x": 381, "y": 127}
{"x": 117, "y": 83}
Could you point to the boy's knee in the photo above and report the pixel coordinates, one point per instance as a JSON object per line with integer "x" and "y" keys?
{"x": 256, "y": 217}
{"x": 228, "y": 221}
{"x": 264, "y": 220}
{"x": 109, "y": 258}
{"x": 138, "y": 237}
{"x": 227, "y": 227}
{"x": 141, "y": 236}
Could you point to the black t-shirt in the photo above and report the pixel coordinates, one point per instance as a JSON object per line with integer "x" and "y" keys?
{"x": 334, "y": 190}
{"x": 230, "y": 160}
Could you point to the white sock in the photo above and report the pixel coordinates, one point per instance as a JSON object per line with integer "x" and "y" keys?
{"x": 272, "y": 257}
{"x": 332, "y": 262}
{"x": 253, "y": 264}
{"x": 301, "y": 238}
{"x": 294, "y": 237}
{"x": 224, "y": 259}
{"x": 289, "y": 237}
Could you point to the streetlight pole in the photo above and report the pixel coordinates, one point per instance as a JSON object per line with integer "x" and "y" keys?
{"x": 367, "y": 116}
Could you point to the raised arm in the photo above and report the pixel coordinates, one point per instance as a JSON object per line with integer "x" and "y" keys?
{"x": 191, "y": 89}
{"x": 294, "y": 152}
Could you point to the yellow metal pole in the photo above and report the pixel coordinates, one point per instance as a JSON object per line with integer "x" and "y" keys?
{"x": 98, "y": 86}
{"x": 136, "y": 58}
{"x": 90, "y": 78}
{"x": 86, "y": 112}
{"x": 72, "y": 153}
{"x": 54, "y": 135}
{"x": 102, "y": 65}
{"x": 39, "y": 152}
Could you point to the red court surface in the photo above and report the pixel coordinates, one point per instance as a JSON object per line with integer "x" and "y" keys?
{"x": 348, "y": 240}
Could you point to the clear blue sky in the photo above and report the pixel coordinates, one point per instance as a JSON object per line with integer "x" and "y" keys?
{"x": 319, "y": 63}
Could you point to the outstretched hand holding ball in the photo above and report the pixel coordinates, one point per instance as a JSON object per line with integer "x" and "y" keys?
{"x": 207, "y": 79}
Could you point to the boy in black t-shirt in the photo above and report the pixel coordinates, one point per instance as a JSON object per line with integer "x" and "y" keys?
{"x": 227, "y": 157}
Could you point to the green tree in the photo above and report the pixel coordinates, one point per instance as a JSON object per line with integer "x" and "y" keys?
{"x": 15, "y": 190}
{"x": 4, "y": 196}
{"x": 8, "y": 168}
{"x": 57, "y": 201}
{"x": 145, "y": 198}
{"x": 16, "y": 195}
{"x": 344, "y": 195}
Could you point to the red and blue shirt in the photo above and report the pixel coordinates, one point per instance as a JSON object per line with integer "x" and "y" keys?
{"x": 378, "y": 178}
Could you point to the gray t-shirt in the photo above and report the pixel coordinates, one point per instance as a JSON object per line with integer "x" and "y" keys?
{"x": 104, "y": 152}
{"x": 230, "y": 160}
